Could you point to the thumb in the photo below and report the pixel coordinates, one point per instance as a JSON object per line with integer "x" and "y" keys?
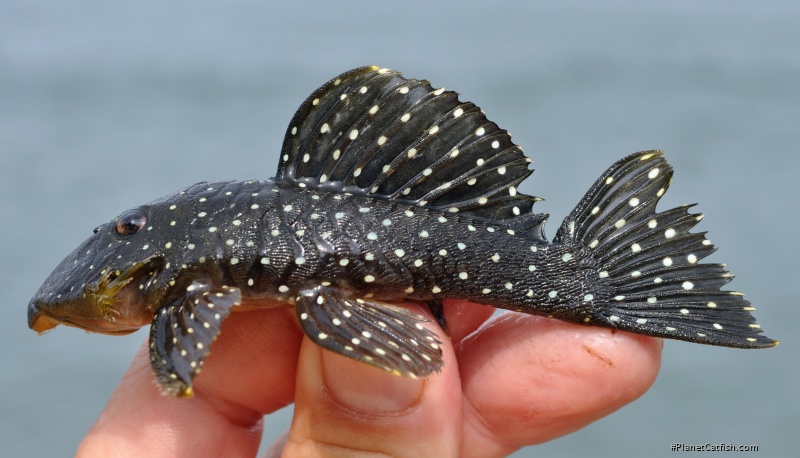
{"x": 343, "y": 407}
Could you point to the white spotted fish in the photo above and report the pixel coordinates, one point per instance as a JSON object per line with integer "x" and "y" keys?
{"x": 387, "y": 190}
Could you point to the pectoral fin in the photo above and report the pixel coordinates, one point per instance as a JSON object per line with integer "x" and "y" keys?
{"x": 373, "y": 332}
{"x": 182, "y": 333}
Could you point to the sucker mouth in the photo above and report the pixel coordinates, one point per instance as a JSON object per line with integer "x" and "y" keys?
{"x": 114, "y": 306}
{"x": 39, "y": 321}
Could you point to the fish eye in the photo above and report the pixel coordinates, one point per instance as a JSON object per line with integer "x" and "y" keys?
{"x": 131, "y": 222}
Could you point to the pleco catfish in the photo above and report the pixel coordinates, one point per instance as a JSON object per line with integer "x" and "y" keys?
{"x": 387, "y": 190}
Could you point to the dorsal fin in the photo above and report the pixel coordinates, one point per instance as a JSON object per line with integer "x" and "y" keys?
{"x": 372, "y": 131}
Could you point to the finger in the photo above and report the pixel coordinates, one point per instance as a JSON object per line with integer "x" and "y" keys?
{"x": 528, "y": 379}
{"x": 249, "y": 373}
{"x": 254, "y": 361}
{"x": 344, "y": 407}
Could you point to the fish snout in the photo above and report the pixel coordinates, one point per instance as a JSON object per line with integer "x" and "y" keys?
{"x": 39, "y": 321}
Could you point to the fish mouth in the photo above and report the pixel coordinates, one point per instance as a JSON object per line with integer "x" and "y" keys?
{"x": 38, "y": 321}
{"x": 115, "y": 305}
{"x": 41, "y": 322}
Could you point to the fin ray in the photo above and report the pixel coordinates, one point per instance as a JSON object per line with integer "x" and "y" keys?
{"x": 379, "y": 334}
{"x": 648, "y": 262}
{"x": 372, "y": 131}
{"x": 182, "y": 333}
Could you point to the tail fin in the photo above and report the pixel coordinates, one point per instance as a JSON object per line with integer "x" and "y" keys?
{"x": 651, "y": 261}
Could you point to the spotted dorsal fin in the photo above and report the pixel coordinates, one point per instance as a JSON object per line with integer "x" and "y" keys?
{"x": 372, "y": 131}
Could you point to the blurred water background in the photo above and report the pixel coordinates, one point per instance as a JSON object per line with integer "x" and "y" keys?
{"x": 106, "y": 105}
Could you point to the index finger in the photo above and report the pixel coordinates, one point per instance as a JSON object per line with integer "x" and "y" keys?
{"x": 249, "y": 373}
{"x": 528, "y": 379}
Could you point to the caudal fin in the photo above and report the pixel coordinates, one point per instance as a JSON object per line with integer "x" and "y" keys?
{"x": 650, "y": 261}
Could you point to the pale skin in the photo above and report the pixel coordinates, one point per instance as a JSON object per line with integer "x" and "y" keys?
{"x": 508, "y": 381}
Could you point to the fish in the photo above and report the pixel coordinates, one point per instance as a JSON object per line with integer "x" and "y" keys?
{"x": 388, "y": 190}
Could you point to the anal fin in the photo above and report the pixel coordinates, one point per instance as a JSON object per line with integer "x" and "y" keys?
{"x": 377, "y": 333}
{"x": 182, "y": 333}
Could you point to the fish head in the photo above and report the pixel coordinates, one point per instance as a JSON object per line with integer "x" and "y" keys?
{"x": 113, "y": 282}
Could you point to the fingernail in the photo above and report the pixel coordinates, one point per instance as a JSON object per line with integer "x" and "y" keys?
{"x": 367, "y": 389}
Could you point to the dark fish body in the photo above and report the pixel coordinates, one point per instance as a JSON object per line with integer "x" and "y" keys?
{"x": 388, "y": 190}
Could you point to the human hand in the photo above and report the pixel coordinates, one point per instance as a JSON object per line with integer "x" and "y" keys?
{"x": 519, "y": 380}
